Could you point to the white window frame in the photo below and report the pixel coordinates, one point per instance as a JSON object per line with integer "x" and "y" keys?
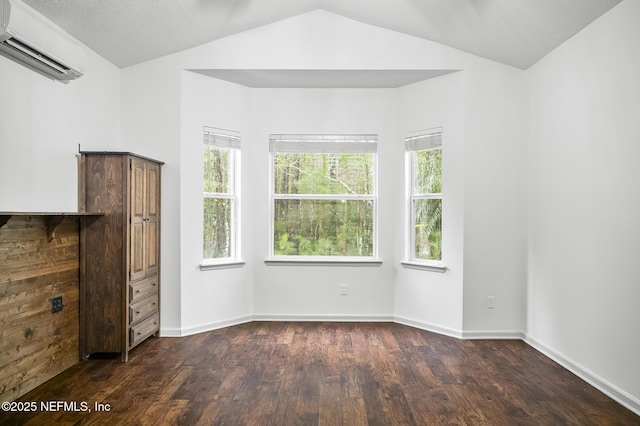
{"x": 420, "y": 141}
{"x": 323, "y": 144}
{"x": 229, "y": 140}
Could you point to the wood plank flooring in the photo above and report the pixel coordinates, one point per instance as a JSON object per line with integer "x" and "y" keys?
{"x": 285, "y": 373}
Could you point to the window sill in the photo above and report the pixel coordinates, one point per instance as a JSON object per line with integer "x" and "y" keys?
{"x": 433, "y": 267}
{"x": 223, "y": 264}
{"x": 301, "y": 261}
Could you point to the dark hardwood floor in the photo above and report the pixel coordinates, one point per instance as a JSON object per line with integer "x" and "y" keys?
{"x": 279, "y": 373}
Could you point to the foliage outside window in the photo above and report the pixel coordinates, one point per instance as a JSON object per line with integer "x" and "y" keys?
{"x": 221, "y": 160}
{"x": 425, "y": 197}
{"x": 324, "y": 196}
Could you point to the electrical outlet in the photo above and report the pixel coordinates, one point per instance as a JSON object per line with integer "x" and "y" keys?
{"x": 491, "y": 302}
{"x": 344, "y": 290}
{"x": 56, "y": 304}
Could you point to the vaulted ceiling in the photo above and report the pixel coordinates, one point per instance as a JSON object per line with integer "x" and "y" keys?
{"x": 514, "y": 32}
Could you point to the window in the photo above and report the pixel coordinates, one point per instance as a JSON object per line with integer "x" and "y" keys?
{"x": 323, "y": 196}
{"x": 424, "y": 186}
{"x": 221, "y": 189}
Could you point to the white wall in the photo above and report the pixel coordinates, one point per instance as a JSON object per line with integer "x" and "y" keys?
{"x": 310, "y": 291}
{"x": 213, "y": 298}
{"x": 584, "y": 233}
{"x": 151, "y": 123}
{"x": 482, "y": 114}
{"x": 151, "y": 127}
{"x": 494, "y": 202}
{"x": 41, "y": 124}
{"x": 426, "y": 299}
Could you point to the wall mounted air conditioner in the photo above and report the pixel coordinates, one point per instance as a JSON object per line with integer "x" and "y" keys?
{"x": 26, "y": 38}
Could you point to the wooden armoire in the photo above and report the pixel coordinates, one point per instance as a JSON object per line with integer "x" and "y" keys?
{"x": 120, "y": 257}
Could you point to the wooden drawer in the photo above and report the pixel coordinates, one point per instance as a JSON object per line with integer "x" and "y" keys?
{"x": 144, "y": 329}
{"x": 143, "y": 289}
{"x": 143, "y": 309}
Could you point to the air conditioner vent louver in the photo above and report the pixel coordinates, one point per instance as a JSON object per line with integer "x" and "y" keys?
{"x": 21, "y": 48}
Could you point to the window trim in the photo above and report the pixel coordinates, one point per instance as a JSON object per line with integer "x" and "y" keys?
{"x": 322, "y": 261}
{"x": 285, "y": 143}
{"x": 430, "y": 265}
{"x": 230, "y": 140}
{"x": 227, "y": 263}
{"x": 419, "y": 141}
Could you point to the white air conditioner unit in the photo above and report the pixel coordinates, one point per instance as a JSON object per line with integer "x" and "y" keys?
{"x": 27, "y": 39}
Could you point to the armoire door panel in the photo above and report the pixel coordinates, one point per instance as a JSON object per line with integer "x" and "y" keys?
{"x": 137, "y": 265}
{"x": 151, "y": 248}
{"x": 153, "y": 190}
{"x": 138, "y": 260}
{"x": 137, "y": 189}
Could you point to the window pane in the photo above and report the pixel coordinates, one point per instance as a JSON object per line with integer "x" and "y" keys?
{"x": 323, "y": 227}
{"x": 217, "y": 228}
{"x": 428, "y": 229}
{"x": 217, "y": 169}
{"x": 428, "y": 171}
{"x": 323, "y": 173}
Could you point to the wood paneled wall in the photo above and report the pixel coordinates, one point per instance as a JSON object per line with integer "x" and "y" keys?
{"x": 36, "y": 345}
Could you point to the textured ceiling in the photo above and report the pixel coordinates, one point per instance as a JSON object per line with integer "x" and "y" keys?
{"x": 514, "y": 32}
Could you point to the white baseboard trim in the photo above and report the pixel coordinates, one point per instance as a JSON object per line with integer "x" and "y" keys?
{"x": 585, "y": 374}
{"x": 493, "y": 335}
{"x": 323, "y": 317}
{"x": 188, "y": 331}
{"x": 170, "y": 332}
{"x": 422, "y": 325}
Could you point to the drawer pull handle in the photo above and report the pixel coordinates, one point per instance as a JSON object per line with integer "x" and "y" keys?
{"x": 137, "y": 312}
{"x": 137, "y": 291}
